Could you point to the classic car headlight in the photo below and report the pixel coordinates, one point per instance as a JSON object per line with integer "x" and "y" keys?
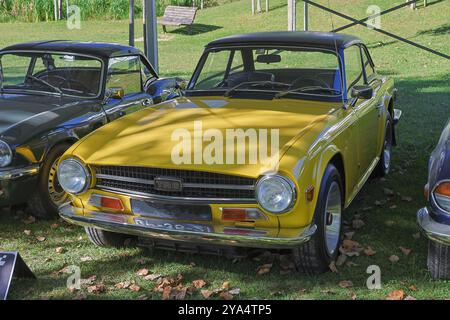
{"x": 441, "y": 195}
{"x": 73, "y": 176}
{"x": 5, "y": 154}
{"x": 275, "y": 193}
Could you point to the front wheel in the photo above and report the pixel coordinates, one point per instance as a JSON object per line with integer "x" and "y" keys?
{"x": 315, "y": 256}
{"x": 102, "y": 238}
{"x": 438, "y": 260}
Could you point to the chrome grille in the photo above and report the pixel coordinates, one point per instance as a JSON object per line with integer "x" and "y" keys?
{"x": 197, "y": 185}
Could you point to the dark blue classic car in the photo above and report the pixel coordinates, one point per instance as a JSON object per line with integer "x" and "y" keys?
{"x": 434, "y": 220}
{"x": 52, "y": 94}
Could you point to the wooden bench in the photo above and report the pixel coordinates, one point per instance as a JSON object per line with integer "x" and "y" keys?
{"x": 178, "y": 16}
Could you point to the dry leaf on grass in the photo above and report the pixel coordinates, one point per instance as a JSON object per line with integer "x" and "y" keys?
{"x": 407, "y": 199}
{"x": 226, "y": 295}
{"x": 97, "y": 288}
{"x": 198, "y": 284}
{"x": 394, "y": 258}
{"x": 166, "y": 293}
{"x": 85, "y": 258}
{"x": 396, "y": 295}
{"x": 142, "y": 272}
{"x": 341, "y": 260}
{"x": 235, "y": 291}
{"x": 346, "y": 284}
{"x": 134, "y": 287}
{"x": 358, "y": 223}
{"x": 27, "y": 232}
{"x": 349, "y": 235}
{"x": 332, "y": 267}
{"x": 59, "y": 250}
{"x": 410, "y": 298}
{"x": 206, "y": 293}
{"x": 265, "y": 268}
{"x": 123, "y": 285}
{"x": 29, "y": 220}
{"x": 412, "y": 287}
{"x": 40, "y": 238}
{"x": 54, "y": 226}
{"x": 226, "y": 285}
{"x": 153, "y": 277}
{"x": 406, "y": 251}
{"x": 88, "y": 281}
{"x": 369, "y": 251}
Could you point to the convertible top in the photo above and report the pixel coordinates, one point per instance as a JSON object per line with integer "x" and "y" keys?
{"x": 325, "y": 40}
{"x": 97, "y": 49}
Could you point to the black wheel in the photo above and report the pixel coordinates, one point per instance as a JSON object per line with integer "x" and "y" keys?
{"x": 49, "y": 195}
{"x": 315, "y": 256}
{"x": 438, "y": 260}
{"x": 102, "y": 238}
{"x": 384, "y": 165}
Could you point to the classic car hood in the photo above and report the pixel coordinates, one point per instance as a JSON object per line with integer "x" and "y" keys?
{"x": 21, "y": 115}
{"x": 148, "y": 137}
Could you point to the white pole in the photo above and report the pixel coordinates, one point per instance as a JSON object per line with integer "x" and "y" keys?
{"x": 267, "y": 5}
{"x": 292, "y": 15}
{"x": 305, "y": 16}
{"x": 253, "y": 6}
{"x": 150, "y": 32}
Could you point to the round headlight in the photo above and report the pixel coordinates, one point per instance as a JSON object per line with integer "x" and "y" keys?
{"x": 5, "y": 154}
{"x": 275, "y": 193}
{"x": 73, "y": 176}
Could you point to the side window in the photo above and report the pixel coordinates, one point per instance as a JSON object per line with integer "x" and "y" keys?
{"x": 214, "y": 69}
{"x": 237, "y": 65}
{"x": 146, "y": 74}
{"x": 367, "y": 66}
{"x": 125, "y": 72}
{"x": 353, "y": 68}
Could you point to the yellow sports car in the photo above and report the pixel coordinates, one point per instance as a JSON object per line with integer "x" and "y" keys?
{"x": 274, "y": 137}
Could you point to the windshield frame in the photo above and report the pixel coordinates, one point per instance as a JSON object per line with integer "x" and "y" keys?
{"x": 220, "y": 91}
{"x": 53, "y": 93}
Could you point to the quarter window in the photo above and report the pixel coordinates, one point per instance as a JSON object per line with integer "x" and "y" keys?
{"x": 367, "y": 65}
{"x": 125, "y": 72}
{"x": 353, "y": 68}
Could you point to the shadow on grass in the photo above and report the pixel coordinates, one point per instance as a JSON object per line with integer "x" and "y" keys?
{"x": 195, "y": 29}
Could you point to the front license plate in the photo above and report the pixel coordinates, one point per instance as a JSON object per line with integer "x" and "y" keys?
{"x": 173, "y": 226}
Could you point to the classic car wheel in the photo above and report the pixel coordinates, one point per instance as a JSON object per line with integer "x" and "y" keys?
{"x": 315, "y": 256}
{"x": 102, "y": 238}
{"x": 384, "y": 165}
{"x": 49, "y": 195}
{"x": 438, "y": 260}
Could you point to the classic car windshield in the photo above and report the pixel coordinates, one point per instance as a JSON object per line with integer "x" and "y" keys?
{"x": 296, "y": 71}
{"x": 64, "y": 74}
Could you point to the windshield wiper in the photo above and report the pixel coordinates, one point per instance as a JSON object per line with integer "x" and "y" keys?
{"x": 45, "y": 83}
{"x": 306, "y": 89}
{"x": 252, "y": 83}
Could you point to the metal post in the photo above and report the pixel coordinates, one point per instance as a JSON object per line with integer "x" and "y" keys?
{"x": 292, "y": 23}
{"x": 131, "y": 24}
{"x": 253, "y": 6}
{"x": 305, "y": 16}
{"x": 151, "y": 33}
{"x": 267, "y": 5}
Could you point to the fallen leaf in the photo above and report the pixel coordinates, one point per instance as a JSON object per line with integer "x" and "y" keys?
{"x": 226, "y": 295}
{"x": 349, "y": 235}
{"x": 80, "y": 238}
{"x": 341, "y": 260}
{"x": 180, "y": 294}
{"x": 54, "y": 226}
{"x": 226, "y": 285}
{"x": 29, "y": 220}
{"x": 353, "y": 296}
{"x": 206, "y": 293}
{"x": 396, "y": 295}
{"x": 123, "y": 285}
{"x": 88, "y": 281}
{"x": 59, "y": 250}
{"x": 134, "y": 287}
{"x": 410, "y": 298}
{"x": 152, "y": 277}
{"x": 265, "y": 268}
{"x": 97, "y": 288}
{"x": 40, "y": 238}
{"x": 369, "y": 251}
{"x": 358, "y": 223}
{"x": 406, "y": 251}
{"x": 27, "y": 232}
{"x": 166, "y": 293}
{"x": 192, "y": 264}
{"x": 346, "y": 284}
{"x": 332, "y": 267}
{"x": 394, "y": 258}
{"x": 407, "y": 199}
{"x": 412, "y": 287}
{"x": 200, "y": 283}
{"x": 235, "y": 291}
{"x": 85, "y": 258}
{"x": 142, "y": 272}
{"x": 351, "y": 264}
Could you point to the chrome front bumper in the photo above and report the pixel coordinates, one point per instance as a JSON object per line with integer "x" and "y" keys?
{"x": 433, "y": 230}
{"x": 111, "y": 222}
{"x": 17, "y": 173}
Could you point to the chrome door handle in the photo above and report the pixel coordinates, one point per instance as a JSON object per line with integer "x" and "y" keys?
{"x": 147, "y": 102}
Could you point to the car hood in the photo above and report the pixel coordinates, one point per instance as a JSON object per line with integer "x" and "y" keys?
{"x": 151, "y": 137}
{"x": 23, "y": 115}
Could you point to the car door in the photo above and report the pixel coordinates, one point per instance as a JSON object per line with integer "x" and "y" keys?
{"x": 367, "y": 111}
{"x": 126, "y": 73}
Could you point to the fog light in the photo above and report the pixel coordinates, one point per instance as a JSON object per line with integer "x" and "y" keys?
{"x": 97, "y": 200}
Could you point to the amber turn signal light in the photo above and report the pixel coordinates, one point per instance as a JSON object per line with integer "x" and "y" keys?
{"x": 106, "y": 202}
{"x": 242, "y": 214}
{"x": 443, "y": 189}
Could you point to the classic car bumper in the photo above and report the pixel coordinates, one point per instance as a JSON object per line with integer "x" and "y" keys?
{"x": 16, "y": 184}
{"x": 433, "y": 230}
{"x": 120, "y": 223}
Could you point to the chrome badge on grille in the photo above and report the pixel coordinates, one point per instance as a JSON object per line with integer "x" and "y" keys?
{"x": 168, "y": 184}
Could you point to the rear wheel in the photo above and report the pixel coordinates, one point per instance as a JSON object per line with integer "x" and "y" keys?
{"x": 438, "y": 260}
{"x": 102, "y": 238}
{"x": 315, "y": 256}
{"x": 384, "y": 165}
{"x": 49, "y": 194}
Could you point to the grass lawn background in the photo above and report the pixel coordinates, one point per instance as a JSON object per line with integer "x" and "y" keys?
{"x": 424, "y": 91}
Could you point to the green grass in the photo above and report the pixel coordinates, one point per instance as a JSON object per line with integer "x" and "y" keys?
{"x": 423, "y": 83}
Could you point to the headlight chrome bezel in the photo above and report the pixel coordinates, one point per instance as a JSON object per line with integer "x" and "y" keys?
{"x": 284, "y": 179}
{"x": 9, "y": 150}
{"x": 85, "y": 170}
{"x": 435, "y": 200}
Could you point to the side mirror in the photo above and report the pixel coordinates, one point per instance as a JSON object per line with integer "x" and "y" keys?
{"x": 115, "y": 93}
{"x": 361, "y": 92}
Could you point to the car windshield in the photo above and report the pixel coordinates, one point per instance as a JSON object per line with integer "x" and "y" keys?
{"x": 63, "y": 74}
{"x": 283, "y": 71}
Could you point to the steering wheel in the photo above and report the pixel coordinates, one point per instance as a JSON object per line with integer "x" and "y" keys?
{"x": 65, "y": 81}
{"x": 308, "y": 82}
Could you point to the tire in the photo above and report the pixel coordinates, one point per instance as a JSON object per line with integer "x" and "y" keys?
{"x": 49, "y": 195}
{"x": 102, "y": 238}
{"x": 438, "y": 260}
{"x": 315, "y": 256}
{"x": 384, "y": 165}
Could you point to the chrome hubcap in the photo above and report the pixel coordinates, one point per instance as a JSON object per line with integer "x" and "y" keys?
{"x": 333, "y": 215}
{"x": 387, "y": 149}
{"x": 56, "y": 193}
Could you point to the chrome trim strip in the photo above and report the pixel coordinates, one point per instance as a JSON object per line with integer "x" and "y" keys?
{"x": 188, "y": 185}
{"x": 433, "y": 230}
{"x": 397, "y": 115}
{"x": 17, "y": 173}
{"x": 100, "y": 220}
{"x": 150, "y": 196}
